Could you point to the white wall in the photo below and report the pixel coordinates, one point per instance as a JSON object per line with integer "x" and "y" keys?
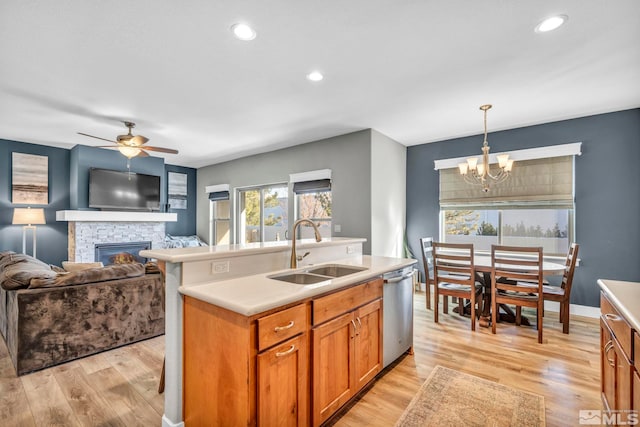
{"x": 388, "y": 197}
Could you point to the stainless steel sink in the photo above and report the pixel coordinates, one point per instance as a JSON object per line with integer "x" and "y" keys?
{"x": 300, "y": 278}
{"x": 335, "y": 270}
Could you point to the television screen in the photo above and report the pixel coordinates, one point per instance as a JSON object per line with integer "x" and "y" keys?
{"x": 109, "y": 189}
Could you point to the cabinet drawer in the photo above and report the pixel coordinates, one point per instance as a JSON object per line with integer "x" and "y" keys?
{"x": 618, "y": 325}
{"x": 282, "y": 325}
{"x": 333, "y": 305}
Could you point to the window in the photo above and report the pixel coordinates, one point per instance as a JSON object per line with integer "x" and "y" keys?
{"x": 534, "y": 207}
{"x": 315, "y": 206}
{"x": 313, "y": 200}
{"x": 263, "y": 213}
{"x": 219, "y": 215}
{"x": 549, "y": 228}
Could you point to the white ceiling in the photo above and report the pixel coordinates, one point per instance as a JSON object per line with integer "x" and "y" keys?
{"x": 415, "y": 70}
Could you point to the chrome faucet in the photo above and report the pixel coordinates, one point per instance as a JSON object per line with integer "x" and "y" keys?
{"x": 294, "y": 257}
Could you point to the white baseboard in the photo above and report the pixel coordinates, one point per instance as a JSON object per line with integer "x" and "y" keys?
{"x": 578, "y": 310}
{"x": 166, "y": 422}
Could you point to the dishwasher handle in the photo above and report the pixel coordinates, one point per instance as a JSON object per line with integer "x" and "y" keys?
{"x": 399, "y": 278}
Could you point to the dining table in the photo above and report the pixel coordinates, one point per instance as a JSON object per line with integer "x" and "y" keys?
{"x": 482, "y": 264}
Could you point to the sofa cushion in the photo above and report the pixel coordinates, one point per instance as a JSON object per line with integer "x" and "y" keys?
{"x": 17, "y": 271}
{"x": 75, "y": 266}
{"x": 90, "y": 275}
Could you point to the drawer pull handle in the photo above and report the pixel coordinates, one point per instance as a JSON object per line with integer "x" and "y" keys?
{"x": 285, "y": 327}
{"x": 612, "y": 317}
{"x": 359, "y": 325}
{"x": 607, "y": 348}
{"x": 284, "y": 353}
{"x": 354, "y": 327}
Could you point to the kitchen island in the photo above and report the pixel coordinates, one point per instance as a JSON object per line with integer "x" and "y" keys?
{"x": 212, "y": 291}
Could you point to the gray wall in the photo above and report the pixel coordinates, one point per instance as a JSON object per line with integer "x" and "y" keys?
{"x": 607, "y": 182}
{"x": 388, "y": 178}
{"x": 348, "y": 156}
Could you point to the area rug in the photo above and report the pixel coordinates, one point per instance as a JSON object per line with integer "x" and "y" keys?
{"x": 452, "y": 398}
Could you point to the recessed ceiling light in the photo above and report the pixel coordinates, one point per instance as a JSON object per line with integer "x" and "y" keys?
{"x": 243, "y": 31}
{"x": 315, "y": 76}
{"x": 551, "y": 23}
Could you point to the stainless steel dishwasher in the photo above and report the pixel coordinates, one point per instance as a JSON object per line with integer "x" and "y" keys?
{"x": 397, "y": 332}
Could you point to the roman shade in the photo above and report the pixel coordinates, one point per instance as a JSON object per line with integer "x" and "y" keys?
{"x": 534, "y": 183}
{"x": 311, "y": 182}
{"x": 218, "y": 192}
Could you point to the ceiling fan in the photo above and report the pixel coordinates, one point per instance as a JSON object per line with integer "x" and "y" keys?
{"x": 131, "y": 145}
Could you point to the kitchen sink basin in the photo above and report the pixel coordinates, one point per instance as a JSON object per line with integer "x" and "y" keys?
{"x": 300, "y": 278}
{"x": 335, "y": 270}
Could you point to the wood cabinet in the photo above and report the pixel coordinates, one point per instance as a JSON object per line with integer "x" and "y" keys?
{"x": 347, "y": 346}
{"x": 283, "y": 378}
{"x": 256, "y": 370}
{"x": 616, "y": 355}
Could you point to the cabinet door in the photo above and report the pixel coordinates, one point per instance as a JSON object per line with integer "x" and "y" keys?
{"x": 624, "y": 378}
{"x": 607, "y": 368}
{"x": 333, "y": 375}
{"x": 368, "y": 340}
{"x": 636, "y": 391}
{"x": 283, "y": 372}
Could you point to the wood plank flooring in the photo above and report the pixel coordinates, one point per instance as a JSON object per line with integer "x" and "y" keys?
{"x": 119, "y": 387}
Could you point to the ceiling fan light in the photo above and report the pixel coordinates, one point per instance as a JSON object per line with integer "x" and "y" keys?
{"x": 129, "y": 152}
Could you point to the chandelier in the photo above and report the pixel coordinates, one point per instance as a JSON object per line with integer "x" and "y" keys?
{"x": 480, "y": 173}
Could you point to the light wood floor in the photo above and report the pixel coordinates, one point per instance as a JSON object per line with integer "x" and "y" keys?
{"x": 119, "y": 387}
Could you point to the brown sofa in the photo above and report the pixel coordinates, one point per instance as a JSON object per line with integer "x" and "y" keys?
{"x": 49, "y": 316}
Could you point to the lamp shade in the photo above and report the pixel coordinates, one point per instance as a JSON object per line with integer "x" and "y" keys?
{"x": 28, "y": 216}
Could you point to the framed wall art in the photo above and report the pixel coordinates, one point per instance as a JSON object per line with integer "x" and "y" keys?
{"x": 29, "y": 179}
{"x": 177, "y": 190}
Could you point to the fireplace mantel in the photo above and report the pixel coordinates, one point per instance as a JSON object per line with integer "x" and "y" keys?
{"x": 115, "y": 216}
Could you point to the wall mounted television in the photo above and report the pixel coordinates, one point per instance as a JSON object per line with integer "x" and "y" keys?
{"x": 111, "y": 190}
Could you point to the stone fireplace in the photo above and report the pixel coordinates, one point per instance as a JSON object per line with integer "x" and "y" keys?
{"x": 88, "y": 229}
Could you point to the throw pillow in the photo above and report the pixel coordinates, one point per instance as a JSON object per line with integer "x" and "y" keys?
{"x": 17, "y": 271}
{"x": 77, "y": 266}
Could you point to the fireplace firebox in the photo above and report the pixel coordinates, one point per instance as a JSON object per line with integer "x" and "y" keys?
{"x": 121, "y": 253}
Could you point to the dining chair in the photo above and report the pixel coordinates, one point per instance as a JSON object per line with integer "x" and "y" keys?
{"x": 426, "y": 244}
{"x": 562, "y": 293}
{"x": 517, "y": 279}
{"x": 454, "y": 275}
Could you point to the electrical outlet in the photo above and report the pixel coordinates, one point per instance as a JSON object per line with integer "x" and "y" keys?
{"x": 220, "y": 267}
{"x": 349, "y": 249}
{"x": 337, "y": 228}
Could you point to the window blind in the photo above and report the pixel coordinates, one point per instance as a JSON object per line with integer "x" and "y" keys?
{"x": 219, "y": 195}
{"x": 312, "y": 186}
{"x": 538, "y": 183}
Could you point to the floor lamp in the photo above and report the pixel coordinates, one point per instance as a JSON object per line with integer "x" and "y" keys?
{"x": 29, "y": 218}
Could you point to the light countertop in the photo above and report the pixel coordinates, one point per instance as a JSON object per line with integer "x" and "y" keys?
{"x": 255, "y": 294}
{"x": 625, "y": 296}
{"x": 200, "y": 253}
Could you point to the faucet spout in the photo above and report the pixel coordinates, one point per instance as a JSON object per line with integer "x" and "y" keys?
{"x": 294, "y": 258}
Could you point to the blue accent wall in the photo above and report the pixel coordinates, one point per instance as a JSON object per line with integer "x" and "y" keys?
{"x": 607, "y": 190}
{"x": 186, "y": 224}
{"x": 51, "y": 237}
{"x": 69, "y": 189}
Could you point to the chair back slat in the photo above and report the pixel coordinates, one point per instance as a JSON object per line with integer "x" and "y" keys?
{"x": 426, "y": 244}
{"x": 570, "y": 266}
{"x": 452, "y": 267}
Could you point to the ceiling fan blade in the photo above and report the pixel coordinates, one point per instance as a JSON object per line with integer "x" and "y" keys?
{"x": 138, "y": 140}
{"x": 162, "y": 150}
{"x": 96, "y": 137}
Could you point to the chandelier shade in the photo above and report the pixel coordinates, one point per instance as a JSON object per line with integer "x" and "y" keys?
{"x": 477, "y": 171}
